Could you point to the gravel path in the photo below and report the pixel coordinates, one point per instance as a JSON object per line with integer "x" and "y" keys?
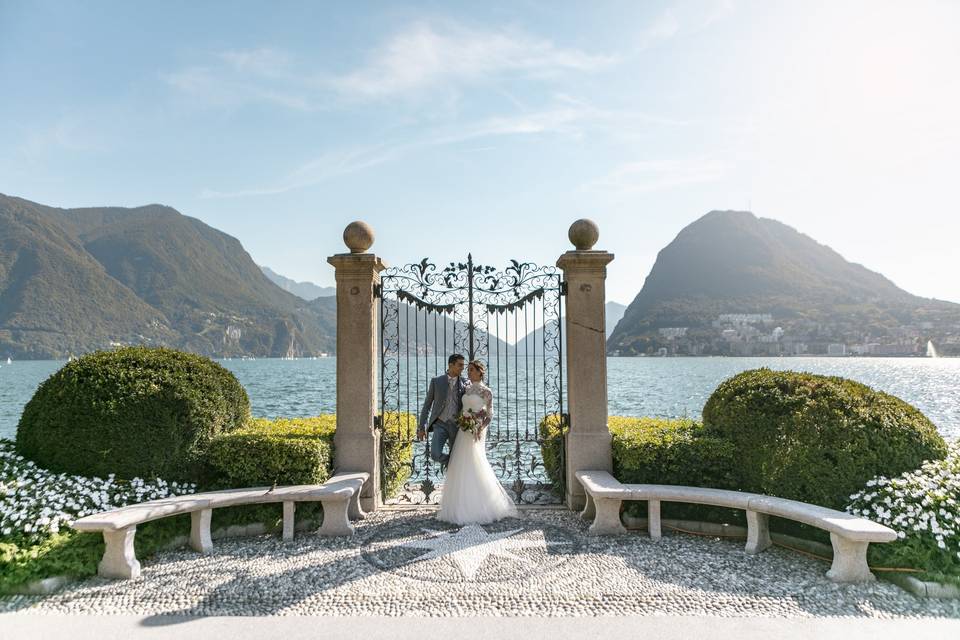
{"x": 405, "y": 563}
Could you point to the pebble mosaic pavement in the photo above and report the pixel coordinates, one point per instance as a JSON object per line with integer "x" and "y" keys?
{"x": 406, "y": 563}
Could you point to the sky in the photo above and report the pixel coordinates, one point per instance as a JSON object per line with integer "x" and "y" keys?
{"x": 490, "y": 127}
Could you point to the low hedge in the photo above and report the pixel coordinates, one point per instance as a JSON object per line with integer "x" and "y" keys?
{"x": 816, "y": 438}
{"x": 678, "y": 452}
{"x": 668, "y": 451}
{"x": 134, "y": 412}
{"x": 656, "y": 451}
{"x": 651, "y": 450}
{"x": 298, "y": 451}
{"x": 396, "y": 445}
{"x": 552, "y": 429}
{"x": 283, "y": 451}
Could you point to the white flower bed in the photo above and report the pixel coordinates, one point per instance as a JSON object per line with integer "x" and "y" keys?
{"x": 35, "y": 503}
{"x": 922, "y": 506}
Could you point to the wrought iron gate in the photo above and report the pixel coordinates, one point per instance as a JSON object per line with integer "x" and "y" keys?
{"x": 510, "y": 319}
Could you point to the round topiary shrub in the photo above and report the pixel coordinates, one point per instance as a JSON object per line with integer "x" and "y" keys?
{"x": 817, "y": 438}
{"x": 134, "y": 411}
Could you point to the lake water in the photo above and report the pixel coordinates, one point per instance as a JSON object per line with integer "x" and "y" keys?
{"x": 669, "y": 387}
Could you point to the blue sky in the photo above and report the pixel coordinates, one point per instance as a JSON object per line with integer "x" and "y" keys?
{"x": 490, "y": 127}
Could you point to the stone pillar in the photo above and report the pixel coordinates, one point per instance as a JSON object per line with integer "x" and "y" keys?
{"x": 588, "y": 441}
{"x": 356, "y": 442}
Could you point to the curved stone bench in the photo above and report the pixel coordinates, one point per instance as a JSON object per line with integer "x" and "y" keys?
{"x": 850, "y": 535}
{"x": 340, "y": 497}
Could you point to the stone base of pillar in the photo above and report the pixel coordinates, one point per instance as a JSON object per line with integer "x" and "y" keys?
{"x": 585, "y": 451}
{"x": 361, "y": 453}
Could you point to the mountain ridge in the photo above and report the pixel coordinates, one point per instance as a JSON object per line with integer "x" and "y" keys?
{"x": 733, "y": 262}
{"x": 306, "y": 290}
{"x": 73, "y": 280}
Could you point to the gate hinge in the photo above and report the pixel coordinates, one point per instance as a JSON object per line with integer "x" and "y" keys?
{"x": 378, "y": 290}
{"x": 563, "y": 288}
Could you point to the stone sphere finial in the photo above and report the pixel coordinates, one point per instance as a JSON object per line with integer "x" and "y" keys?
{"x": 584, "y": 233}
{"x": 358, "y": 236}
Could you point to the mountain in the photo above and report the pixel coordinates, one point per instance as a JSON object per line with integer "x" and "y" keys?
{"x": 305, "y": 290}
{"x": 75, "y": 280}
{"x": 799, "y": 296}
{"x": 615, "y": 311}
{"x": 419, "y": 331}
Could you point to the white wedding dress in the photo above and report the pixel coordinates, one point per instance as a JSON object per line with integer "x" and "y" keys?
{"x": 472, "y": 494}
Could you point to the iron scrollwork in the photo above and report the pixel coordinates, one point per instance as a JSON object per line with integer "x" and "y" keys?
{"x": 509, "y": 318}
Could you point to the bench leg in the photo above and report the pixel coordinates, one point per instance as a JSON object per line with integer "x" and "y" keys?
{"x": 356, "y": 511}
{"x": 607, "y": 520}
{"x": 653, "y": 519}
{"x": 849, "y": 561}
{"x": 289, "y": 508}
{"x": 758, "y": 532}
{"x": 335, "y": 521}
{"x": 589, "y": 510}
{"x": 200, "y": 530}
{"x": 119, "y": 559}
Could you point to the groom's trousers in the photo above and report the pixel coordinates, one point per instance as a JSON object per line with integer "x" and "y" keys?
{"x": 442, "y": 433}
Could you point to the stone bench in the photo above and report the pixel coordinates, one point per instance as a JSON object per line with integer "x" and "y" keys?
{"x": 850, "y": 535}
{"x": 340, "y": 497}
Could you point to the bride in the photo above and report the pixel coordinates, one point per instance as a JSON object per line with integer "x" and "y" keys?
{"x": 472, "y": 494}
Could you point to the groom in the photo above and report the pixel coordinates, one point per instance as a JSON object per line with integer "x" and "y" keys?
{"x": 440, "y": 409}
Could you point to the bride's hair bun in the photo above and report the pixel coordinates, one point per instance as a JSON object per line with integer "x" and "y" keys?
{"x": 479, "y": 366}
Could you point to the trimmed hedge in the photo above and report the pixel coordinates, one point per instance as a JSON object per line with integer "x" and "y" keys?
{"x": 396, "y": 446}
{"x": 658, "y": 451}
{"x": 664, "y": 451}
{"x": 135, "y": 411}
{"x": 286, "y": 451}
{"x": 296, "y": 451}
{"x": 552, "y": 430}
{"x": 677, "y": 452}
{"x": 816, "y": 438}
{"x": 652, "y": 450}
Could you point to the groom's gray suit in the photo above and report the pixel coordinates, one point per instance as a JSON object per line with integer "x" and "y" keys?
{"x": 439, "y": 414}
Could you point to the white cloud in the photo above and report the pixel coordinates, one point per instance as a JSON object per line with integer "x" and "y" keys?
{"x": 664, "y": 26}
{"x": 69, "y": 132}
{"x": 683, "y": 19}
{"x": 262, "y": 61}
{"x": 225, "y": 87}
{"x": 424, "y": 55}
{"x": 567, "y": 117}
{"x": 331, "y": 164}
{"x": 421, "y": 57}
{"x": 657, "y": 175}
{"x": 323, "y": 167}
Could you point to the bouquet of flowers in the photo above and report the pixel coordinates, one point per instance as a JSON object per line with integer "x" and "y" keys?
{"x": 474, "y": 415}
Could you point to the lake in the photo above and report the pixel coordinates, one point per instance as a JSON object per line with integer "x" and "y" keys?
{"x": 668, "y": 387}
